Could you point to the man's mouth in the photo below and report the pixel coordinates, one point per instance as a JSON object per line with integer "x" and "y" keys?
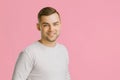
{"x": 51, "y": 34}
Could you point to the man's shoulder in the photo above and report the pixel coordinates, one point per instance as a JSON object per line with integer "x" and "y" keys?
{"x": 62, "y": 46}
{"x": 30, "y": 47}
{"x": 28, "y": 51}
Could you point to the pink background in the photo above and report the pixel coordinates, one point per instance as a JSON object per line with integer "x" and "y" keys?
{"x": 90, "y": 30}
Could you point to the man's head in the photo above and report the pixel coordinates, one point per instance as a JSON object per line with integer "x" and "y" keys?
{"x": 46, "y": 11}
{"x": 49, "y": 24}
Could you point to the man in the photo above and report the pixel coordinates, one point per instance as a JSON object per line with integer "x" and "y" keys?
{"x": 45, "y": 59}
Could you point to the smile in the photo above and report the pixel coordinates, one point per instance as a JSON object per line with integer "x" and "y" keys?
{"x": 51, "y": 34}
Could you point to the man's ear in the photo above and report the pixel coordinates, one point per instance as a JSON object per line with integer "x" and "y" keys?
{"x": 38, "y": 26}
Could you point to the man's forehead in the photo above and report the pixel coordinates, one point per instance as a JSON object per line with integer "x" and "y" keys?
{"x": 52, "y": 17}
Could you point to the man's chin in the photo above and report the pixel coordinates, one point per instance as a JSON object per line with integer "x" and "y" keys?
{"x": 50, "y": 40}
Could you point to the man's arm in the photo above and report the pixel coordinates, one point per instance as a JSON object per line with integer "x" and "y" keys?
{"x": 68, "y": 77}
{"x": 23, "y": 66}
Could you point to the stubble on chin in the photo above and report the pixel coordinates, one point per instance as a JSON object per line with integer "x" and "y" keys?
{"x": 52, "y": 40}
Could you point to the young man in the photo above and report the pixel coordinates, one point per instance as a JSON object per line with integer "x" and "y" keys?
{"x": 45, "y": 59}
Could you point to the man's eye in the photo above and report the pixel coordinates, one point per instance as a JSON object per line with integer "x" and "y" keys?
{"x": 45, "y": 25}
{"x": 56, "y": 24}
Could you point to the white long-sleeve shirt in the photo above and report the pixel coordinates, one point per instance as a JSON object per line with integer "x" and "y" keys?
{"x": 39, "y": 62}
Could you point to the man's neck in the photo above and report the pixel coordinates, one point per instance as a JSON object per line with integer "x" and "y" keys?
{"x": 46, "y": 43}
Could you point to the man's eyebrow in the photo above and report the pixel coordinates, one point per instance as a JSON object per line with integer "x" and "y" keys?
{"x": 45, "y": 23}
{"x": 53, "y": 22}
{"x": 56, "y": 22}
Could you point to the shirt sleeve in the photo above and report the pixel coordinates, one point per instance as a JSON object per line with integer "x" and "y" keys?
{"x": 68, "y": 77}
{"x": 23, "y": 66}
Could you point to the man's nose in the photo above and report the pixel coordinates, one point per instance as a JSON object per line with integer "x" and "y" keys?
{"x": 51, "y": 28}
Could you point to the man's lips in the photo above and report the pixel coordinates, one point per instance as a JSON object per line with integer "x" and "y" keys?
{"x": 51, "y": 34}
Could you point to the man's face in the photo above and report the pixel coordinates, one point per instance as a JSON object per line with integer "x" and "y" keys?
{"x": 50, "y": 27}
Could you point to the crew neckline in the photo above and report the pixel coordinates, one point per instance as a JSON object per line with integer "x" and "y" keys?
{"x": 46, "y": 46}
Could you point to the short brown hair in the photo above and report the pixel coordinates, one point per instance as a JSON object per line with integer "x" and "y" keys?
{"x": 46, "y": 11}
